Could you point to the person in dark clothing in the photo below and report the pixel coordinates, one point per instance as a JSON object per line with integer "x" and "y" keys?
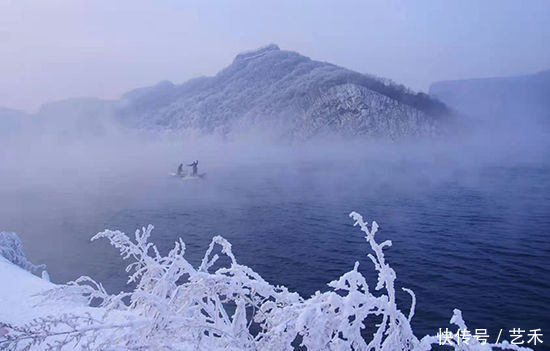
{"x": 180, "y": 169}
{"x": 195, "y": 167}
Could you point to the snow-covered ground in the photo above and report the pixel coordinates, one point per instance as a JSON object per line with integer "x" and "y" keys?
{"x": 18, "y": 301}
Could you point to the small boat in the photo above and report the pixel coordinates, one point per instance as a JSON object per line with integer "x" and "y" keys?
{"x": 185, "y": 176}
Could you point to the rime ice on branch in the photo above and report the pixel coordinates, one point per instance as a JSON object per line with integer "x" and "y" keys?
{"x": 11, "y": 249}
{"x": 176, "y": 306}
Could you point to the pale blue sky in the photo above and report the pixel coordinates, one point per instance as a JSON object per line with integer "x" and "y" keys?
{"x": 57, "y": 49}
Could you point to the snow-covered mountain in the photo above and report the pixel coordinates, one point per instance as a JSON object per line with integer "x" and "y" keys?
{"x": 284, "y": 93}
{"x": 279, "y": 93}
{"x": 505, "y": 99}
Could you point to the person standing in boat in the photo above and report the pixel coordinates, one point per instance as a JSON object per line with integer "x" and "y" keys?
{"x": 195, "y": 167}
{"x": 180, "y": 169}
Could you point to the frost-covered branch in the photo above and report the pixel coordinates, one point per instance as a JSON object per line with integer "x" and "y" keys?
{"x": 175, "y": 306}
{"x": 11, "y": 249}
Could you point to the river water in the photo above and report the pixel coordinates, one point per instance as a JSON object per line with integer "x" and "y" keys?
{"x": 473, "y": 238}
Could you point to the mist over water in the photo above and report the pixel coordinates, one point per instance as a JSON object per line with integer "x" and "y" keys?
{"x": 467, "y": 214}
{"x": 431, "y": 118}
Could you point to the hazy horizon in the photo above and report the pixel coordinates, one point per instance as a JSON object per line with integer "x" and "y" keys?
{"x": 66, "y": 49}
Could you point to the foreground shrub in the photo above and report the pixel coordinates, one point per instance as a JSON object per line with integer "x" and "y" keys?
{"x": 176, "y": 306}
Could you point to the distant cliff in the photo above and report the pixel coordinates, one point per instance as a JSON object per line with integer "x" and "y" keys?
{"x": 518, "y": 98}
